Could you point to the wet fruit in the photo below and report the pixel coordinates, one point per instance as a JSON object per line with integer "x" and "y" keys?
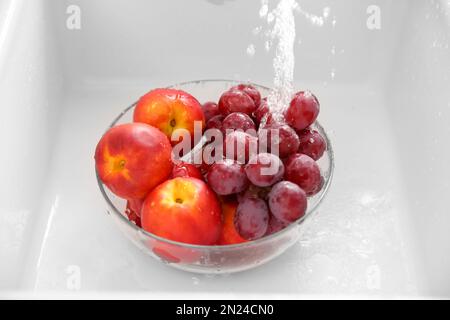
{"x": 236, "y": 101}
{"x": 312, "y": 144}
{"x": 184, "y": 210}
{"x": 303, "y": 110}
{"x": 169, "y": 110}
{"x": 238, "y": 121}
{"x": 252, "y": 218}
{"x": 133, "y": 158}
{"x": 304, "y": 171}
{"x": 227, "y": 177}
{"x": 287, "y": 201}
{"x": 210, "y": 109}
{"x": 250, "y": 90}
{"x": 264, "y": 169}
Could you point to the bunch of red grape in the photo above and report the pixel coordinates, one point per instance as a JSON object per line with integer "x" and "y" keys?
{"x": 268, "y": 200}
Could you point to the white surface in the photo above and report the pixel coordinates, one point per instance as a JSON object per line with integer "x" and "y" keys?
{"x": 382, "y": 231}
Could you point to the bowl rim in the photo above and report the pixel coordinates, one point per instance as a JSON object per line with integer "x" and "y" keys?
{"x": 309, "y": 212}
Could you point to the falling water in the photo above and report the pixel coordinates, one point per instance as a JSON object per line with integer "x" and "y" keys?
{"x": 283, "y": 33}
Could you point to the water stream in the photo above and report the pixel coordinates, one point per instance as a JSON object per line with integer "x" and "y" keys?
{"x": 281, "y": 32}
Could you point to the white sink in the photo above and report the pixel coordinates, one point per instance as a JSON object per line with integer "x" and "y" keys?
{"x": 383, "y": 230}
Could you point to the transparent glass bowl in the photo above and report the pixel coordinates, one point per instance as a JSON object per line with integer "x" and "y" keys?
{"x": 215, "y": 259}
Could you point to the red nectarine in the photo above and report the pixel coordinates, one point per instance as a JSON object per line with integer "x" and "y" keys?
{"x": 183, "y": 209}
{"x": 168, "y": 110}
{"x": 131, "y": 159}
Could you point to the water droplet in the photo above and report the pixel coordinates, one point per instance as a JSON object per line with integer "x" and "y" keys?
{"x": 264, "y": 10}
{"x": 251, "y": 50}
{"x": 257, "y": 30}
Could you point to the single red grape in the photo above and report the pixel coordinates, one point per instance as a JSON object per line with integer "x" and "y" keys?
{"x": 227, "y": 177}
{"x": 287, "y": 201}
{"x": 250, "y": 90}
{"x": 312, "y": 143}
{"x": 303, "y": 110}
{"x": 238, "y": 121}
{"x": 264, "y": 169}
{"x": 210, "y": 109}
{"x": 304, "y": 171}
{"x": 236, "y": 101}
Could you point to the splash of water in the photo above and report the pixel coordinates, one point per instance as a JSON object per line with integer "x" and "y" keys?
{"x": 314, "y": 19}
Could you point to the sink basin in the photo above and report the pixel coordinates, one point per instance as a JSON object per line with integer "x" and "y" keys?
{"x": 68, "y": 67}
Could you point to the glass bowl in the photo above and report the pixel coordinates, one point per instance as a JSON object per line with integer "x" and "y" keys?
{"x": 215, "y": 259}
